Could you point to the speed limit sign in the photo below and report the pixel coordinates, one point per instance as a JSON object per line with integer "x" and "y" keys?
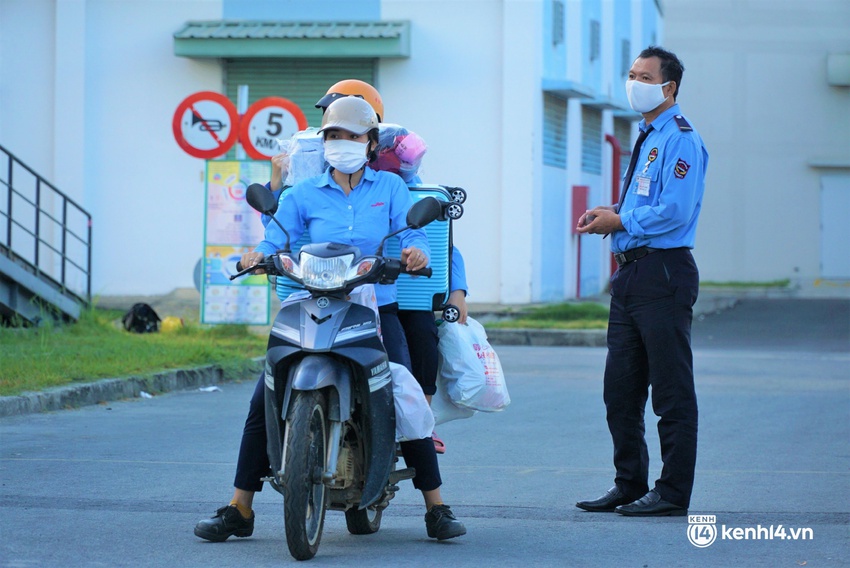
{"x": 266, "y": 122}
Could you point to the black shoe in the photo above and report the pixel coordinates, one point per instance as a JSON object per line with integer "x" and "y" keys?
{"x": 442, "y": 524}
{"x": 227, "y": 522}
{"x": 652, "y": 505}
{"x": 607, "y": 503}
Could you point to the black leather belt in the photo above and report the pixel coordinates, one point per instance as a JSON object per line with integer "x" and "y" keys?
{"x": 632, "y": 255}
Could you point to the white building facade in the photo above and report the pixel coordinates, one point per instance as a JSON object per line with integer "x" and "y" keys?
{"x": 521, "y": 102}
{"x": 767, "y": 83}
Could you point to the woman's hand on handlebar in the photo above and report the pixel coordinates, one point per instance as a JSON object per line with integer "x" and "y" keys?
{"x": 414, "y": 258}
{"x": 250, "y": 259}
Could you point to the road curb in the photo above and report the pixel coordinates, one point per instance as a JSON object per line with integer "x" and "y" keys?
{"x": 106, "y": 390}
{"x": 548, "y": 337}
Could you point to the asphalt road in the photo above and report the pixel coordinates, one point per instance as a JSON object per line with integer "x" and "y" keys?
{"x": 123, "y": 484}
{"x": 791, "y": 325}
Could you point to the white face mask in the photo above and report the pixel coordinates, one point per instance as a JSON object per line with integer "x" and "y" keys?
{"x": 346, "y": 156}
{"x": 645, "y": 97}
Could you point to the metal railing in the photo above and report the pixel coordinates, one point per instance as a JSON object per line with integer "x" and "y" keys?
{"x": 43, "y": 229}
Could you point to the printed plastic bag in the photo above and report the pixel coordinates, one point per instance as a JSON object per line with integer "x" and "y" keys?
{"x": 470, "y": 367}
{"x": 444, "y": 409}
{"x": 413, "y": 417}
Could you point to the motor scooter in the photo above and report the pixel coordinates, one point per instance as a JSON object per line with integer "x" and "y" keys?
{"x": 330, "y": 414}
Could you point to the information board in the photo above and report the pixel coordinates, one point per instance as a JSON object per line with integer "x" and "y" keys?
{"x": 231, "y": 228}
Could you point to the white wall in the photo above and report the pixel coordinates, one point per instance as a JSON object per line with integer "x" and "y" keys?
{"x": 27, "y": 50}
{"x": 755, "y": 88}
{"x": 150, "y": 194}
{"x": 91, "y": 111}
{"x": 450, "y": 92}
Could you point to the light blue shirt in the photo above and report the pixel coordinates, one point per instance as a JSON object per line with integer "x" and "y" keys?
{"x": 663, "y": 200}
{"x": 458, "y": 264}
{"x": 377, "y": 206}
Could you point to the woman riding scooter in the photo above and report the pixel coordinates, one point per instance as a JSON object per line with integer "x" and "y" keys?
{"x": 350, "y": 204}
{"x": 419, "y": 325}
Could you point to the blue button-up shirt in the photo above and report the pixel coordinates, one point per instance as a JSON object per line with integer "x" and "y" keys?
{"x": 377, "y": 206}
{"x": 663, "y": 200}
{"x": 458, "y": 280}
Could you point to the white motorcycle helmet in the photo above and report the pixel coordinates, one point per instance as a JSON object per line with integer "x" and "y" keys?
{"x": 350, "y": 113}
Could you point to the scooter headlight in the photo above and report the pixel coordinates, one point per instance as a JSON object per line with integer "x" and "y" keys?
{"x": 321, "y": 273}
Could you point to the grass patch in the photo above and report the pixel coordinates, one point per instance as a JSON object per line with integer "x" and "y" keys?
{"x": 736, "y": 284}
{"x": 570, "y": 315}
{"x": 96, "y": 347}
{"x": 522, "y": 323}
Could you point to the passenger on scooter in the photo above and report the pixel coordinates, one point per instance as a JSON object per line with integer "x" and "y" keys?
{"x": 419, "y": 325}
{"x": 351, "y": 204}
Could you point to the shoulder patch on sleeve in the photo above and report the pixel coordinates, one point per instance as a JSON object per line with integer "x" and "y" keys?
{"x": 683, "y": 124}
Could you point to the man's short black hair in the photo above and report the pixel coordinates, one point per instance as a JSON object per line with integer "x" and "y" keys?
{"x": 671, "y": 67}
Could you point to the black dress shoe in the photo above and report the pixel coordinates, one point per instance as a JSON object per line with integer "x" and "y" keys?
{"x": 651, "y": 505}
{"x": 607, "y": 503}
{"x": 227, "y": 522}
{"x": 441, "y": 523}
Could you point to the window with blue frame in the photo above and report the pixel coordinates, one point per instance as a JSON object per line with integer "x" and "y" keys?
{"x": 554, "y": 131}
{"x": 591, "y": 140}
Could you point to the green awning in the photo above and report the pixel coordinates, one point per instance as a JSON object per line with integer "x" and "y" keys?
{"x": 282, "y": 39}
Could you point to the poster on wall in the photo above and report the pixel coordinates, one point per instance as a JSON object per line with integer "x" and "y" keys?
{"x": 231, "y": 228}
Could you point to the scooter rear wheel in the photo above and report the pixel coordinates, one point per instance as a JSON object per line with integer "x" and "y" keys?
{"x": 304, "y": 493}
{"x": 366, "y": 521}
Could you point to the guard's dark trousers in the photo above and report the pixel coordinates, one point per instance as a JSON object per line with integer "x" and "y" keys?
{"x": 649, "y": 345}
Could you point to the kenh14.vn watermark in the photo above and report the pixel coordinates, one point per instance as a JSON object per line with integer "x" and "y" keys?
{"x": 703, "y": 531}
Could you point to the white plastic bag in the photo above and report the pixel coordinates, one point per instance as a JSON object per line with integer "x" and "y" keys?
{"x": 306, "y": 155}
{"x": 470, "y": 367}
{"x": 413, "y": 417}
{"x": 444, "y": 409}
{"x": 365, "y": 296}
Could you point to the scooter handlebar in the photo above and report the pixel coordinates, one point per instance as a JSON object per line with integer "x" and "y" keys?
{"x": 426, "y": 272}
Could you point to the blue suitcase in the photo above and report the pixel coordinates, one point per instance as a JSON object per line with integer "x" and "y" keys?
{"x": 417, "y": 293}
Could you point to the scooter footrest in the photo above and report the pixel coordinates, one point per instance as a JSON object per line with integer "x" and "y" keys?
{"x": 400, "y": 474}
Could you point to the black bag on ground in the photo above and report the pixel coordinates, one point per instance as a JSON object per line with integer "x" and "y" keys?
{"x": 141, "y": 319}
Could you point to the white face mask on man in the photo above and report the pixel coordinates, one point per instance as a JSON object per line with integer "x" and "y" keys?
{"x": 346, "y": 156}
{"x": 645, "y": 97}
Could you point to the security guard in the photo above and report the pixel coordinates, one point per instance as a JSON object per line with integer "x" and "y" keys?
{"x": 652, "y": 296}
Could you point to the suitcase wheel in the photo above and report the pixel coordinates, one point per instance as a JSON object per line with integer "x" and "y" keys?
{"x": 451, "y": 313}
{"x": 458, "y": 195}
{"x": 454, "y": 211}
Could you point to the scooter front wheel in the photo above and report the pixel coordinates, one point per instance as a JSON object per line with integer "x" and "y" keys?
{"x": 365, "y": 521}
{"x": 304, "y": 493}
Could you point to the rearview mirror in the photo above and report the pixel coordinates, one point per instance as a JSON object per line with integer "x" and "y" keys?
{"x": 423, "y": 212}
{"x": 261, "y": 199}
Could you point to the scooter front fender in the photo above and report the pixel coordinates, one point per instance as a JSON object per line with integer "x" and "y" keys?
{"x": 316, "y": 372}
